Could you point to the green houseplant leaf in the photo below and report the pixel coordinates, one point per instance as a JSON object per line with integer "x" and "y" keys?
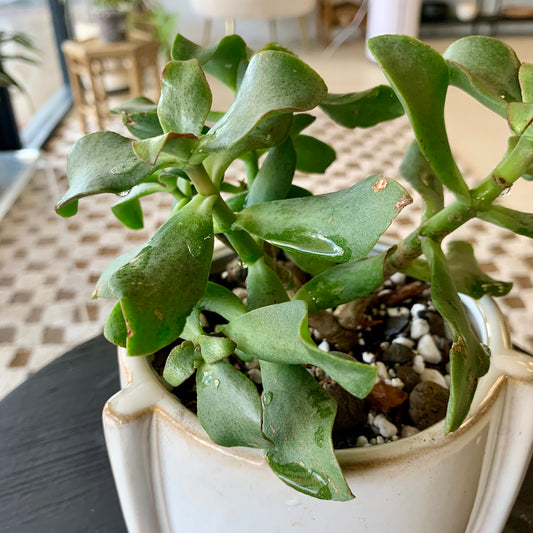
{"x": 185, "y": 98}
{"x": 181, "y": 363}
{"x": 313, "y": 155}
{"x": 525, "y": 77}
{"x": 155, "y": 312}
{"x": 279, "y": 334}
{"x": 274, "y": 82}
{"x": 101, "y": 162}
{"x": 419, "y": 75}
{"x": 340, "y": 226}
{"x": 517, "y": 221}
{"x": 342, "y": 283}
{"x": 229, "y": 407}
{"x": 300, "y": 425}
{"x": 469, "y": 359}
{"x": 222, "y": 59}
{"x": 139, "y": 115}
{"x": 487, "y": 69}
{"x": 363, "y": 109}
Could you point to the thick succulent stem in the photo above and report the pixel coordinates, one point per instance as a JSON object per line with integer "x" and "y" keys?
{"x": 516, "y": 163}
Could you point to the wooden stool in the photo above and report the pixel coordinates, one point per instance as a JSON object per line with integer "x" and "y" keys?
{"x": 88, "y": 62}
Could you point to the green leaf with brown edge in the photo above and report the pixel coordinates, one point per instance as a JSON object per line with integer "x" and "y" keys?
{"x": 159, "y": 287}
{"x": 181, "y": 363}
{"x": 525, "y": 78}
{"x": 467, "y": 274}
{"x": 363, "y": 109}
{"x": 342, "y": 283}
{"x": 139, "y": 115}
{"x": 419, "y": 76}
{"x": 487, "y": 69}
{"x": 341, "y": 226}
{"x": 98, "y": 163}
{"x": 516, "y": 221}
{"x": 279, "y": 334}
{"x": 313, "y": 155}
{"x": 185, "y": 98}
{"x": 128, "y": 209}
{"x": 221, "y": 59}
{"x": 274, "y": 179}
{"x": 418, "y": 172}
{"x": 274, "y": 82}
{"x": 519, "y": 116}
{"x": 115, "y": 329}
{"x": 469, "y": 359}
{"x": 298, "y": 418}
{"x": 229, "y": 407}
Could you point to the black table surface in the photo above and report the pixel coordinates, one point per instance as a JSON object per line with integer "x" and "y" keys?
{"x": 54, "y": 471}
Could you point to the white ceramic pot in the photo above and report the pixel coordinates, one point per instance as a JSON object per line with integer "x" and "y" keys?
{"x": 171, "y": 478}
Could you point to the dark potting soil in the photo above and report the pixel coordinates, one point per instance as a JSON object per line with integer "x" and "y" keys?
{"x": 398, "y": 330}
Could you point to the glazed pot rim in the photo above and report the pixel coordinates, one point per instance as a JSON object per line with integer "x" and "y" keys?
{"x": 145, "y": 394}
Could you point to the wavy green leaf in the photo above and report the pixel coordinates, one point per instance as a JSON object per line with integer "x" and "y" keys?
{"x": 275, "y": 82}
{"x": 264, "y": 286}
{"x": 185, "y": 98}
{"x": 214, "y": 349}
{"x": 279, "y": 334}
{"x": 175, "y": 147}
{"x": 342, "y": 283}
{"x": 487, "y": 69}
{"x": 139, "y": 115}
{"x": 519, "y": 116}
{"x": 517, "y": 221}
{"x": 219, "y": 299}
{"x": 313, "y": 155}
{"x": 150, "y": 286}
{"x": 229, "y": 407}
{"x": 419, "y": 76}
{"x": 181, "y": 363}
{"x": 115, "y": 329}
{"x": 298, "y": 418}
{"x": 101, "y": 162}
{"x": 340, "y": 226}
{"x": 222, "y": 59}
{"x": 469, "y": 359}
{"x": 363, "y": 109}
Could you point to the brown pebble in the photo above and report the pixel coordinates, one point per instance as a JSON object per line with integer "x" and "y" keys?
{"x": 385, "y": 397}
{"x": 409, "y": 377}
{"x": 427, "y": 404}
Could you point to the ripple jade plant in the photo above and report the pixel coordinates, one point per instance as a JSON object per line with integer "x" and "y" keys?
{"x": 184, "y": 148}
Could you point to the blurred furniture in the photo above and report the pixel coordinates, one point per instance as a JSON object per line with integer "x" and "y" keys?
{"x": 270, "y": 10}
{"x": 88, "y": 62}
{"x": 333, "y": 14}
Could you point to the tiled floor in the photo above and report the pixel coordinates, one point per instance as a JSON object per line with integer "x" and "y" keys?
{"x": 49, "y": 265}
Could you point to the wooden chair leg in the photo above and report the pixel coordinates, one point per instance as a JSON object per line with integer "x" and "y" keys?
{"x": 206, "y": 37}
{"x": 304, "y": 32}
{"x": 230, "y": 26}
{"x": 273, "y": 30}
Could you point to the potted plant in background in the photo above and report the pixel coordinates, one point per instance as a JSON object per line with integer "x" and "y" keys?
{"x": 302, "y": 257}
{"x": 112, "y": 19}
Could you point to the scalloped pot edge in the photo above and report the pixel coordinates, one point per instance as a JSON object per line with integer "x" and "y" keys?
{"x": 171, "y": 478}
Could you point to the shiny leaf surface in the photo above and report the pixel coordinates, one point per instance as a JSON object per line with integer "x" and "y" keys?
{"x": 298, "y": 417}
{"x": 340, "y": 226}
{"x": 150, "y": 286}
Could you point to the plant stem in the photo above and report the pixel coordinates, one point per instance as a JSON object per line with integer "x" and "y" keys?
{"x": 242, "y": 242}
{"x": 516, "y": 163}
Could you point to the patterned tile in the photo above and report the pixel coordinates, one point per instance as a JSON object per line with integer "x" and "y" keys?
{"x": 49, "y": 265}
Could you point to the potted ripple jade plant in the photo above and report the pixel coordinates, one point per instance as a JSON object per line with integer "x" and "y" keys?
{"x": 301, "y": 256}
